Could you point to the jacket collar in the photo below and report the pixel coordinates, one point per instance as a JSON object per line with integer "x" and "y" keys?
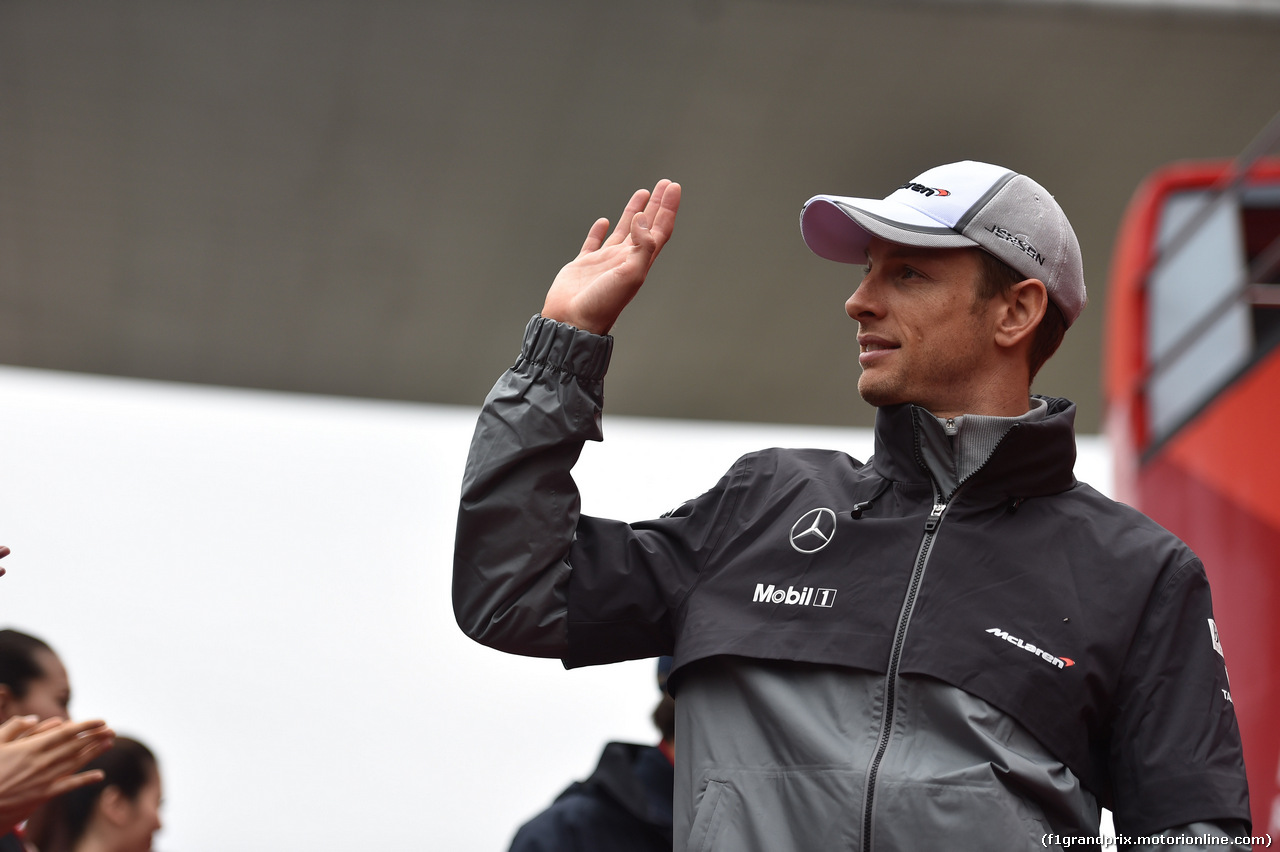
{"x": 1033, "y": 459}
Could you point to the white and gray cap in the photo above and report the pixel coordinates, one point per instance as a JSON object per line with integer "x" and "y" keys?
{"x": 953, "y": 206}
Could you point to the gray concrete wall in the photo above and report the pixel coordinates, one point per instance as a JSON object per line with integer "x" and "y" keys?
{"x": 369, "y": 198}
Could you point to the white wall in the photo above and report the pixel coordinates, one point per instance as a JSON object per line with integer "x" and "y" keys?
{"x": 257, "y": 585}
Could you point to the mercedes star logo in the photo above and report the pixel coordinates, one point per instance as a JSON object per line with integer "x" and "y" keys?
{"x": 813, "y": 531}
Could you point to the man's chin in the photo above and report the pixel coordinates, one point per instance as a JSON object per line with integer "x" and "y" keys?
{"x": 876, "y": 393}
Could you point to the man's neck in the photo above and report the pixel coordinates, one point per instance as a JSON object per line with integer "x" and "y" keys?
{"x": 1013, "y": 406}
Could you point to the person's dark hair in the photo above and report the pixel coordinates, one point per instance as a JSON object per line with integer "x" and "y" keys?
{"x": 664, "y": 717}
{"x": 996, "y": 278}
{"x": 18, "y": 664}
{"x": 60, "y": 823}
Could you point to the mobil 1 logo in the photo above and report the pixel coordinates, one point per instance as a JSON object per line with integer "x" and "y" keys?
{"x": 791, "y": 596}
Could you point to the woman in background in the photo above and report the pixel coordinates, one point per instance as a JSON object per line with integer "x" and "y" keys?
{"x": 120, "y": 813}
{"x": 40, "y": 750}
{"x": 33, "y": 681}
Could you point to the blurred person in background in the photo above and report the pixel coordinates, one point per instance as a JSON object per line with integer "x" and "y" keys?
{"x": 40, "y": 749}
{"x": 119, "y": 813}
{"x": 33, "y": 681}
{"x": 626, "y": 804}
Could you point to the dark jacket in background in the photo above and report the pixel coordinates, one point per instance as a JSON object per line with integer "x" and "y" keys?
{"x": 625, "y": 806}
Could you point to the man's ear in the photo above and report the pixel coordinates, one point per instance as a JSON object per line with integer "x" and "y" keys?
{"x": 1021, "y": 310}
{"x": 8, "y": 703}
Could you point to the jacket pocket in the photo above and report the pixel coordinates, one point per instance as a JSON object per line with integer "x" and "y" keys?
{"x": 708, "y": 820}
{"x": 805, "y": 810}
{"x": 957, "y": 817}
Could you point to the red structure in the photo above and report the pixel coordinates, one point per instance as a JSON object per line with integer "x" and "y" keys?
{"x": 1192, "y": 389}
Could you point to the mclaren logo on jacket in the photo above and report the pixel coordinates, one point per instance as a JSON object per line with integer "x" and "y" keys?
{"x": 1060, "y": 662}
{"x": 804, "y": 596}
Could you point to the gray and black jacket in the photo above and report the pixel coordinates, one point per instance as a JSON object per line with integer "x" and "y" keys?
{"x": 861, "y": 660}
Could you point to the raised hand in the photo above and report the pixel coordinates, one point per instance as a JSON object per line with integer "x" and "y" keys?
{"x": 592, "y": 289}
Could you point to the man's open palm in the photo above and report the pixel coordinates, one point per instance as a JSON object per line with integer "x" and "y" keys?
{"x": 592, "y": 289}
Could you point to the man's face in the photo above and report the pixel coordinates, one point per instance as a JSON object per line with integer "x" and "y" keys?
{"x": 922, "y": 338}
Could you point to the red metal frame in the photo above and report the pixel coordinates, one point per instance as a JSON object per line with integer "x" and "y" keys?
{"x": 1213, "y": 482}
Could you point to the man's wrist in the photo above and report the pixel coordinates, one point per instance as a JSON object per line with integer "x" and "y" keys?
{"x": 573, "y": 322}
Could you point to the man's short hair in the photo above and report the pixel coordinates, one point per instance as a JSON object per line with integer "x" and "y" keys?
{"x": 995, "y": 278}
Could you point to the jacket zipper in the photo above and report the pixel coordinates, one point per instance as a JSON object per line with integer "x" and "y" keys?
{"x": 931, "y": 524}
{"x": 891, "y": 677}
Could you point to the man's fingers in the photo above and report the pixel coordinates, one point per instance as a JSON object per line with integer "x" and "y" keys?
{"x": 660, "y": 224}
{"x": 595, "y": 236}
{"x": 655, "y": 198}
{"x": 664, "y": 218}
{"x": 638, "y": 200}
{"x": 593, "y": 289}
{"x": 642, "y": 236}
{"x": 657, "y": 207}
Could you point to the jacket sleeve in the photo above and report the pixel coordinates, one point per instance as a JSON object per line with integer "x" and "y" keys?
{"x": 1176, "y": 756}
{"x": 519, "y": 505}
{"x": 531, "y": 574}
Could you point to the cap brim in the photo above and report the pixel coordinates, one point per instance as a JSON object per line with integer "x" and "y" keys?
{"x": 839, "y": 228}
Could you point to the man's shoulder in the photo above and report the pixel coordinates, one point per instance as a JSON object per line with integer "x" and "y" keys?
{"x": 809, "y": 459}
{"x": 1120, "y": 525}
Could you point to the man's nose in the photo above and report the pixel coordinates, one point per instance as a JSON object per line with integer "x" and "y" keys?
{"x": 862, "y": 303}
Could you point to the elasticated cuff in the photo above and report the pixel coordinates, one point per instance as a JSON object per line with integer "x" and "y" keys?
{"x": 564, "y": 348}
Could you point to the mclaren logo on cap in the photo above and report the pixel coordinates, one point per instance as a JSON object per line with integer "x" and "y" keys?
{"x": 813, "y": 531}
{"x": 925, "y": 190}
